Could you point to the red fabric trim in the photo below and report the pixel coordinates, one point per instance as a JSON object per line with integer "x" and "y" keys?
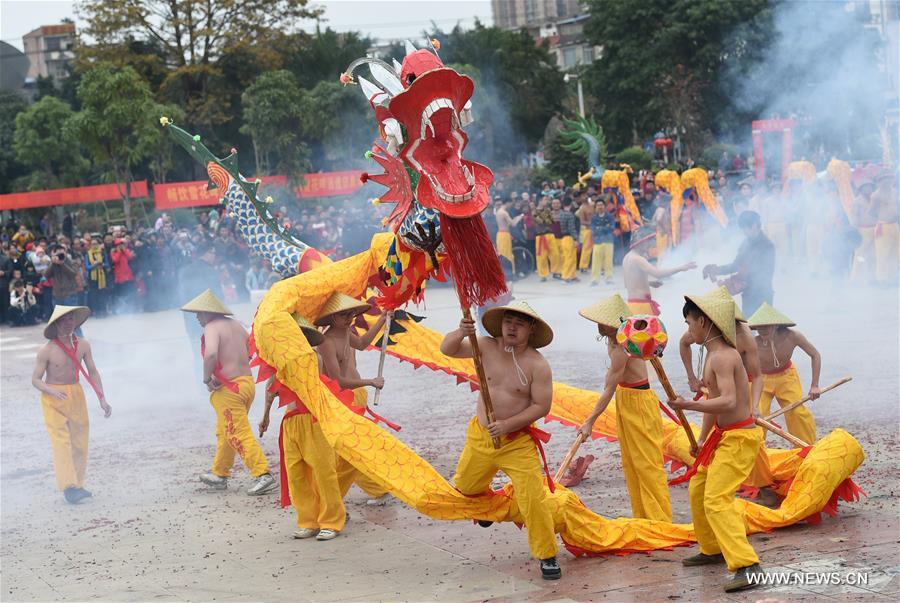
{"x": 635, "y": 384}
{"x": 704, "y": 457}
{"x": 285, "y": 492}
{"x": 540, "y": 438}
{"x": 646, "y": 300}
{"x": 779, "y": 370}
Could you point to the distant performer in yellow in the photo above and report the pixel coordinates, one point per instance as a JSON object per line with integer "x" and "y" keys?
{"x": 504, "y": 237}
{"x": 776, "y": 342}
{"x": 226, "y": 373}
{"x": 56, "y": 372}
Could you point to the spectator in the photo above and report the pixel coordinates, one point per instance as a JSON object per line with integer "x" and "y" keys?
{"x": 123, "y": 275}
{"x": 603, "y": 226}
{"x": 6, "y": 269}
{"x": 97, "y": 263}
{"x": 23, "y": 308}
{"x": 23, "y": 237}
{"x": 64, "y": 275}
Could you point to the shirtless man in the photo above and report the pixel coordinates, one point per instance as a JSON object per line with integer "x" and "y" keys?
{"x": 776, "y": 342}
{"x": 887, "y": 229}
{"x": 638, "y": 270}
{"x": 504, "y": 237}
{"x": 226, "y": 374}
{"x": 338, "y": 353}
{"x": 55, "y": 375}
{"x": 521, "y": 387}
{"x": 727, "y": 456}
{"x": 584, "y": 214}
{"x": 637, "y": 416}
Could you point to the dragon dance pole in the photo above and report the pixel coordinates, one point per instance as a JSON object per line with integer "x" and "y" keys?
{"x": 482, "y": 378}
{"x": 569, "y": 456}
{"x": 670, "y": 393}
{"x": 384, "y": 344}
{"x": 794, "y": 405}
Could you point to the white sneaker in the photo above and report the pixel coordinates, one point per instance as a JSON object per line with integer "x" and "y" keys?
{"x": 378, "y": 502}
{"x": 327, "y": 534}
{"x": 304, "y": 533}
{"x": 216, "y": 482}
{"x": 264, "y": 483}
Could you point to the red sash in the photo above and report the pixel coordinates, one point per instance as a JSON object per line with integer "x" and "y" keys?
{"x": 72, "y": 353}
{"x": 217, "y": 372}
{"x": 636, "y": 384}
{"x": 704, "y": 457}
{"x": 779, "y": 370}
{"x": 646, "y": 300}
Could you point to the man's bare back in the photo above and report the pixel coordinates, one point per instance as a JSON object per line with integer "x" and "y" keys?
{"x": 229, "y": 341}
{"x": 637, "y": 270}
{"x": 724, "y": 374}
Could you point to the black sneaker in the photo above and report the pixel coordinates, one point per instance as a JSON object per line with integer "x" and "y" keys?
{"x": 550, "y": 569}
{"x": 703, "y": 559}
{"x": 75, "y": 495}
{"x": 484, "y": 523}
{"x": 745, "y": 578}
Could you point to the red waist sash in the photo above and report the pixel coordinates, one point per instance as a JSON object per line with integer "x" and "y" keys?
{"x": 704, "y": 457}
{"x": 217, "y": 372}
{"x": 779, "y": 370}
{"x": 645, "y": 300}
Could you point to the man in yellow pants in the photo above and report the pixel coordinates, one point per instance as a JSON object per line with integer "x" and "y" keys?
{"x": 308, "y": 463}
{"x": 226, "y": 373}
{"x": 887, "y": 230}
{"x": 521, "y": 390}
{"x": 55, "y": 375}
{"x": 638, "y": 422}
{"x": 504, "y": 237}
{"x": 729, "y": 452}
{"x": 584, "y": 214}
{"x": 338, "y": 352}
{"x": 568, "y": 236}
{"x": 546, "y": 249}
{"x": 603, "y": 227}
{"x": 776, "y": 342}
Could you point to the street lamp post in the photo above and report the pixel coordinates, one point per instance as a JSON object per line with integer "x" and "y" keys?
{"x": 568, "y": 78}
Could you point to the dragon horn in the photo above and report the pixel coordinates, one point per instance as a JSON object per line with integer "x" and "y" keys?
{"x": 386, "y": 78}
{"x": 409, "y": 47}
{"x": 397, "y": 66}
{"x": 373, "y": 93}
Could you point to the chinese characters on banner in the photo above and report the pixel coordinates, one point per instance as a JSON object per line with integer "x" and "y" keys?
{"x": 194, "y": 194}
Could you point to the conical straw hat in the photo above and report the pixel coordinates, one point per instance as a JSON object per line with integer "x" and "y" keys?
{"x": 767, "y": 315}
{"x": 721, "y": 313}
{"x": 313, "y": 335}
{"x": 82, "y": 313}
{"x": 722, "y": 294}
{"x": 493, "y": 323}
{"x": 339, "y": 302}
{"x": 609, "y": 312}
{"x": 206, "y": 302}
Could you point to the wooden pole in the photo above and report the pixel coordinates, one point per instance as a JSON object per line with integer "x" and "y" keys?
{"x": 794, "y": 405}
{"x": 780, "y": 432}
{"x": 571, "y": 455}
{"x": 482, "y": 378}
{"x": 384, "y": 344}
{"x": 670, "y": 393}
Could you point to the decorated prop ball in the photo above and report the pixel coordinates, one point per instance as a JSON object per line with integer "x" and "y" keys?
{"x": 642, "y": 336}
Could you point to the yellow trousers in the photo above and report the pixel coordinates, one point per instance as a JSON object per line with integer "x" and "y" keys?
{"x": 233, "y": 430}
{"x": 718, "y": 522}
{"x": 786, "y": 388}
{"x": 587, "y": 245}
{"x": 761, "y": 475}
{"x": 504, "y": 248}
{"x": 602, "y": 260}
{"x": 547, "y": 250}
{"x": 640, "y": 431}
{"x": 662, "y": 244}
{"x": 815, "y": 236}
{"x": 311, "y": 467}
{"x": 569, "y": 257}
{"x": 68, "y": 428}
{"x": 518, "y": 458}
{"x": 887, "y": 238}
{"x": 643, "y": 307}
{"x": 348, "y": 474}
{"x": 864, "y": 257}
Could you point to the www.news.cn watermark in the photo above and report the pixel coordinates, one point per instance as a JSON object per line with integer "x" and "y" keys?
{"x": 787, "y": 578}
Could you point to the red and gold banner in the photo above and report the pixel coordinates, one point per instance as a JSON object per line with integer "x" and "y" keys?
{"x": 194, "y": 194}
{"x": 71, "y": 196}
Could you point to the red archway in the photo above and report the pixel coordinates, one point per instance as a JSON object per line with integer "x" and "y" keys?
{"x": 786, "y": 127}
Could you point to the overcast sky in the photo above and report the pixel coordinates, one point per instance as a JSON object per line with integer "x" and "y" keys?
{"x": 382, "y": 19}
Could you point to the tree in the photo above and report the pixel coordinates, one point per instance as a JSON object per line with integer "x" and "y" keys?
{"x": 341, "y": 128}
{"x": 11, "y": 105}
{"x": 275, "y": 114}
{"x": 322, "y": 56}
{"x": 645, "y": 42}
{"x": 189, "y": 37}
{"x": 44, "y": 145}
{"x": 515, "y": 71}
{"x": 118, "y": 123}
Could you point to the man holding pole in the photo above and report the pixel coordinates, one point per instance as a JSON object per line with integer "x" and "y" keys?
{"x": 338, "y": 352}
{"x": 728, "y": 454}
{"x": 521, "y": 389}
{"x": 776, "y": 342}
{"x": 638, "y": 422}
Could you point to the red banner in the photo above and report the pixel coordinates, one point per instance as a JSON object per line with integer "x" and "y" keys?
{"x": 194, "y": 194}
{"x": 70, "y": 196}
